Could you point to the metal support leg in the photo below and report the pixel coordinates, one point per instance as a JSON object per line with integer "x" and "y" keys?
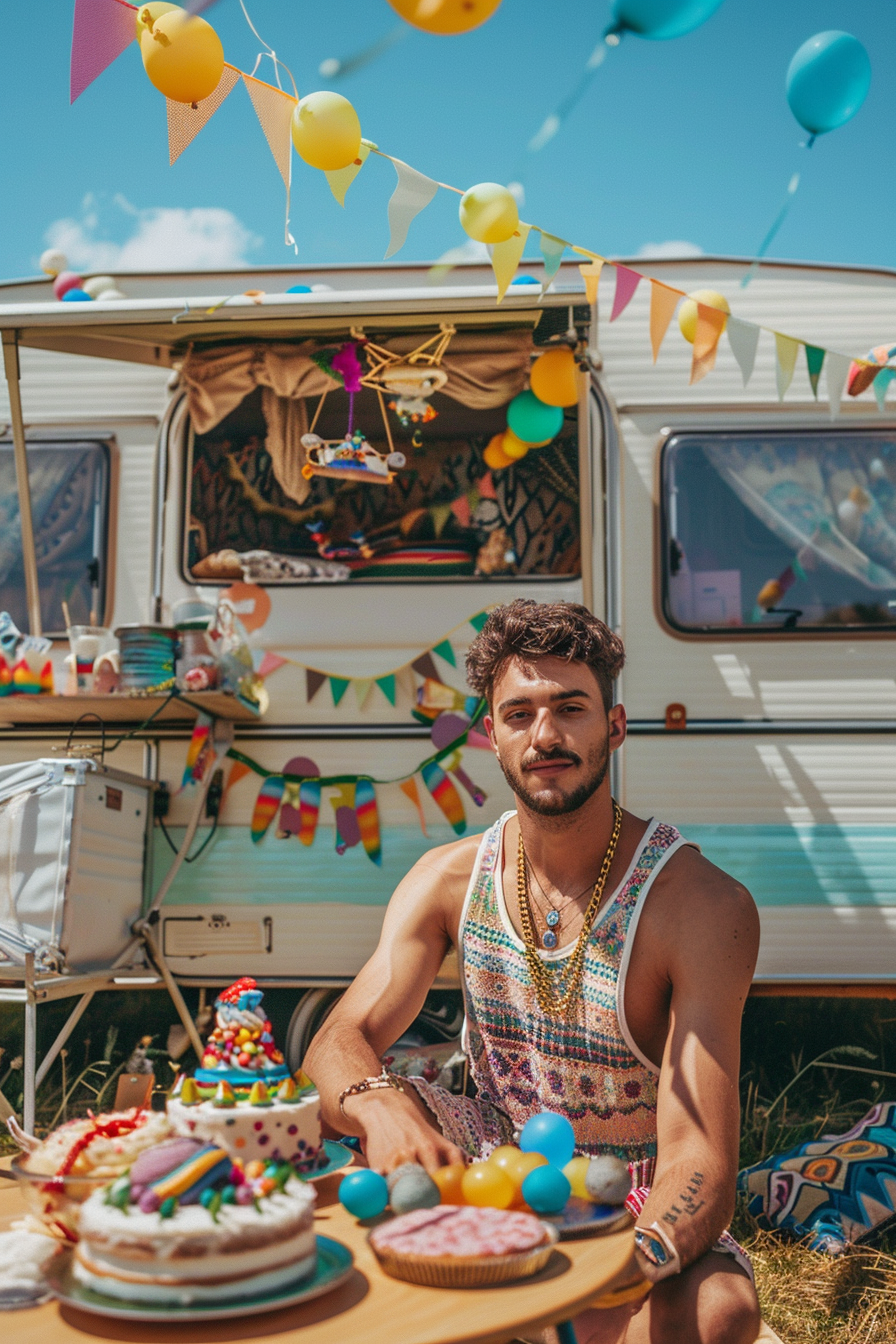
{"x": 72, "y": 1021}
{"x": 177, "y": 998}
{"x": 29, "y": 554}
{"x": 30, "y": 1062}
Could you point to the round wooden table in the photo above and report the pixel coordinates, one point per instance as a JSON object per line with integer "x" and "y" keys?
{"x": 369, "y": 1308}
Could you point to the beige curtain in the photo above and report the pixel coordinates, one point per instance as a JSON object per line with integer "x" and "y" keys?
{"x": 485, "y": 370}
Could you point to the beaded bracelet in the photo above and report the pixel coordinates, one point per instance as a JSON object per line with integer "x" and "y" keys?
{"x": 385, "y": 1079}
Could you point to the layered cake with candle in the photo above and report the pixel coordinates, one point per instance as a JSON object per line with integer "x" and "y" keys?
{"x": 98, "y": 1145}
{"x": 243, "y": 1097}
{"x": 186, "y": 1225}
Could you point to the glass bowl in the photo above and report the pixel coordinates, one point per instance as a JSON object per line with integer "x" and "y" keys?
{"x": 55, "y": 1200}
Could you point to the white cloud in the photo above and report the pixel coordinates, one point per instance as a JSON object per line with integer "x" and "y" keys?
{"x": 674, "y": 247}
{"x": 159, "y": 238}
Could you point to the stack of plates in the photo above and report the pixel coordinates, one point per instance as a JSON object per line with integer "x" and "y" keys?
{"x": 147, "y": 655}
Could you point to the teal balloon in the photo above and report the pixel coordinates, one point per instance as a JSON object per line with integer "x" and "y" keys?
{"x": 531, "y": 420}
{"x": 551, "y": 1135}
{"x": 546, "y": 1190}
{"x": 828, "y": 81}
{"x": 364, "y": 1193}
{"x": 661, "y": 19}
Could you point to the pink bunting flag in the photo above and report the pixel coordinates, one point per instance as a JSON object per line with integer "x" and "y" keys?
{"x": 269, "y": 663}
{"x": 626, "y": 283}
{"x": 102, "y": 30}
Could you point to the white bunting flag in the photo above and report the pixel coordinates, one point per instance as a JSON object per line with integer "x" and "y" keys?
{"x": 743, "y": 337}
{"x": 413, "y": 193}
{"x": 836, "y": 368}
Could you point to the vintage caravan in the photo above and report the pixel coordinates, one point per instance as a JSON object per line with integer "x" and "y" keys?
{"x": 164, "y": 434}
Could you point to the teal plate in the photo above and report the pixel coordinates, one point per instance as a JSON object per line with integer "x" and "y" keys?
{"x": 334, "y": 1265}
{"x": 338, "y": 1156}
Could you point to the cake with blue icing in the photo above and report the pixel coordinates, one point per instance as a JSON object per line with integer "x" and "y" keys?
{"x": 243, "y": 1096}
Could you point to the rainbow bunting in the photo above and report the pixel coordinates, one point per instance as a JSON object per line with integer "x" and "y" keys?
{"x": 309, "y": 810}
{"x": 266, "y": 805}
{"x": 198, "y": 742}
{"x": 368, "y": 820}
{"x": 445, "y": 796}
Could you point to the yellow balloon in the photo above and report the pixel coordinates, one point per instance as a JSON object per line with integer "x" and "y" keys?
{"x": 553, "y": 377}
{"x": 487, "y": 1186}
{"x": 445, "y": 17}
{"x": 687, "y": 317}
{"x": 147, "y": 14}
{"x": 326, "y": 131}
{"x": 182, "y": 55}
{"x": 504, "y": 1156}
{"x": 575, "y": 1172}
{"x": 488, "y": 213}
{"x": 514, "y": 447}
{"x": 495, "y": 456}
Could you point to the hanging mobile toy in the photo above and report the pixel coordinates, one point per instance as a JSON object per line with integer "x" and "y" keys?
{"x": 411, "y": 378}
{"x": 350, "y": 458}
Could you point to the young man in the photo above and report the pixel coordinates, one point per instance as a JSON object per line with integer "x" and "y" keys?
{"x": 605, "y": 964}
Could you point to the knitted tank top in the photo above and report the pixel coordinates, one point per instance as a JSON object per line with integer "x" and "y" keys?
{"x": 584, "y": 1065}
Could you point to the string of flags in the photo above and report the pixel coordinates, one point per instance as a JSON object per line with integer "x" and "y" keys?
{"x": 103, "y": 29}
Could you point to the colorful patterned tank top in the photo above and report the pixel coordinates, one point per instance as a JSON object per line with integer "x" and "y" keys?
{"x": 586, "y": 1065}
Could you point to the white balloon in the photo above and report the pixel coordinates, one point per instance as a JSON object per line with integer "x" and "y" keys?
{"x": 53, "y": 261}
{"x": 877, "y": 470}
{"x": 848, "y": 512}
{"x": 97, "y": 285}
{"x": 111, "y": 294}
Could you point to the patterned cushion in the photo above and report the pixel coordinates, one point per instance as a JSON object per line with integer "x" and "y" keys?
{"x": 837, "y": 1191}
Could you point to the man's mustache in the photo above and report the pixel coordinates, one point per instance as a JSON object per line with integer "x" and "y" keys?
{"x": 557, "y": 755}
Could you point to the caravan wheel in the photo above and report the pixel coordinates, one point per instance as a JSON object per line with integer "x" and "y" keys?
{"x": 310, "y": 1014}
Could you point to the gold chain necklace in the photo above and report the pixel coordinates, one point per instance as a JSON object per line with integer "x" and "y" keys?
{"x": 550, "y": 999}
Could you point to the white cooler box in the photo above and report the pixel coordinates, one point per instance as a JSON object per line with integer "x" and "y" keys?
{"x": 73, "y": 839}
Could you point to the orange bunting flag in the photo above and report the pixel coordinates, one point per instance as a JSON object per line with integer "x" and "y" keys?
{"x": 663, "y": 302}
{"x": 186, "y": 120}
{"x": 591, "y": 275}
{"x": 273, "y": 108}
{"x": 238, "y": 771}
{"x": 710, "y": 325}
{"x": 410, "y": 790}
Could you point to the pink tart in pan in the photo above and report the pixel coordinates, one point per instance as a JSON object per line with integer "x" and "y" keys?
{"x": 463, "y": 1247}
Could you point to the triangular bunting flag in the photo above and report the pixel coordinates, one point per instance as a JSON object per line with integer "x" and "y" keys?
{"x": 387, "y": 686}
{"x": 461, "y": 509}
{"x": 102, "y": 30}
{"x": 743, "y": 337}
{"x": 338, "y": 688}
{"x": 238, "y": 771}
{"x": 368, "y": 820}
{"x": 186, "y": 120}
{"x": 404, "y": 680}
{"x": 626, "y": 283}
{"x": 425, "y": 666}
{"x": 198, "y": 743}
{"x": 410, "y": 790}
{"x": 710, "y": 325}
{"x": 506, "y": 257}
{"x": 313, "y": 682}
{"x": 479, "y": 620}
{"x": 836, "y": 371}
{"x": 591, "y": 275}
{"x": 814, "y": 362}
{"x": 663, "y": 302}
{"x": 269, "y": 663}
{"x": 268, "y": 801}
{"x": 362, "y": 687}
{"x": 413, "y": 193}
{"x": 273, "y": 108}
{"x": 444, "y": 650}
{"x": 340, "y": 179}
{"x": 486, "y": 487}
{"x": 786, "y": 351}
{"x": 552, "y": 250}
{"x": 440, "y": 513}
{"x": 445, "y": 796}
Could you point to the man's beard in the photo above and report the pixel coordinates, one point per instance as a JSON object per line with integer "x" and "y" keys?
{"x": 562, "y": 805}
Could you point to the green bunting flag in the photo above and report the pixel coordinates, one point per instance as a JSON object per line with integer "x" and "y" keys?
{"x": 479, "y": 621}
{"x": 338, "y": 688}
{"x": 444, "y": 650}
{"x": 814, "y": 362}
{"x": 387, "y": 686}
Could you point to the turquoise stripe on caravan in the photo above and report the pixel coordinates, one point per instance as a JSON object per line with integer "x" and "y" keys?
{"x": 781, "y": 865}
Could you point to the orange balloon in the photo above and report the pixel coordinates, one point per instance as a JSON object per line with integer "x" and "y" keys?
{"x": 553, "y": 377}
{"x": 445, "y": 17}
{"x": 495, "y": 456}
{"x": 504, "y": 1156}
{"x": 449, "y": 1179}
{"x": 487, "y": 1186}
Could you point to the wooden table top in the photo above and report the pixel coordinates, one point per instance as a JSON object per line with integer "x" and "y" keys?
{"x": 369, "y": 1308}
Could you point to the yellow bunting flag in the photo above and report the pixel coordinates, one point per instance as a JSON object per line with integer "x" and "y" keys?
{"x": 591, "y": 274}
{"x": 410, "y": 790}
{"x": 786, "y": 351}
{"x": 340, "y": 179}
{"x": 186, "y": 120}
{"x": 663, "y": 302}
{"x": 362, "y": 687}
{"x": 406, "y": 683}
{"x": 710, "y": 325}
{"x": 274, "y": 109}
{"x": 506, "y": 257}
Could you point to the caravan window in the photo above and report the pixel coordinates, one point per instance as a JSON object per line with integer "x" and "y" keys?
{"x": 69, "y": 505}
{"x": 791, "y": 531}
{"x": 252, "y": 511}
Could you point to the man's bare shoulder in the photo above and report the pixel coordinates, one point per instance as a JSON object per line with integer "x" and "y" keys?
{"x": 701, "y": 909}
{"x": 452, "y": 863}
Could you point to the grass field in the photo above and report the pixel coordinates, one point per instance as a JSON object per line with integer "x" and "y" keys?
{"x": 809, "y": 1067}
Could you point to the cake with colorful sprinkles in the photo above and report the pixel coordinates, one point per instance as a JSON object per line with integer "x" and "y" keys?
{"x": 188, "y": 1225}
{"x": 243, "y": 1097}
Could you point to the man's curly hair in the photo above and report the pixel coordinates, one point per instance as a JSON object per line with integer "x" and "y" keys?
{"x": 528, "y": 630}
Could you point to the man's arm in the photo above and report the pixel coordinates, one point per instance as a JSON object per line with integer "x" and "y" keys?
{"x": 380, "y": 1004}
{"x": 713, "y": 948}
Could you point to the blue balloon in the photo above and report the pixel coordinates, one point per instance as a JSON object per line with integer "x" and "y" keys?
{"x": 525, "y": 280}
{"x": 551, "y": 1135}
{"x": 364, "y": 1193}
{"x": 661, "y": 19}
{"x": 828, "y": 81}
{"x": 77, "y": 296}
{"x": 546, "y": 1190}
{"x": 299, "y": 289}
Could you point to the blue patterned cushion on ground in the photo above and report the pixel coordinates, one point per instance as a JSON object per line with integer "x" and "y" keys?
{"x": 836, "y": 1191}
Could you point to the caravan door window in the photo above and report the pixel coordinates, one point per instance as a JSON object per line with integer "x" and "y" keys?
{"x": 792, "y": 531}
{"x": 69, "y": 505}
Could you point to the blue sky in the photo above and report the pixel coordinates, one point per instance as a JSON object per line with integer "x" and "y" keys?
{"x": 689, "y": 140}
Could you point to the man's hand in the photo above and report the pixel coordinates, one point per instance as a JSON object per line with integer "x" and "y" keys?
{"x": 397, "y": 1127}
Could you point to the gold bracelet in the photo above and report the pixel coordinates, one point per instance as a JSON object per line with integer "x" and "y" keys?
{"x": 385, "y": 1079}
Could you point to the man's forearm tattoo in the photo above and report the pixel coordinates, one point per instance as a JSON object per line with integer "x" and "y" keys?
{"x": 688, "y": 1201}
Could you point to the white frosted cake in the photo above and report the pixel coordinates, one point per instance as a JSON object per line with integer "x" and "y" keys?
{"x": 187, "y": 1225}
{"x": 243, "y": 1097}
